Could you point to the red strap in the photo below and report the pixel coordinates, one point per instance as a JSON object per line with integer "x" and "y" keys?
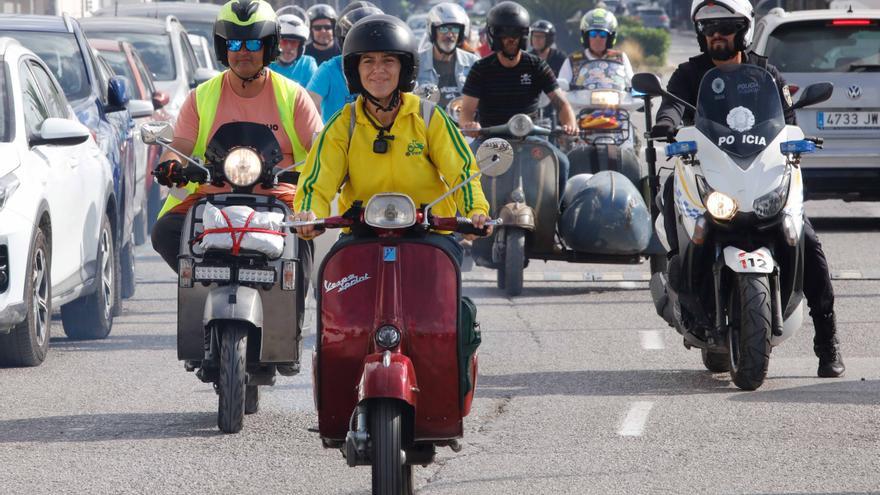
{"x": 229, "y": 229}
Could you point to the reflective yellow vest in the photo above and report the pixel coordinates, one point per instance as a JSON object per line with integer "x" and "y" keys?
{"x": 207, "y": 99}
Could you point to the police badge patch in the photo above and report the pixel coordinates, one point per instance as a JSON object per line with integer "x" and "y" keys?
{"x": 787, "y": 94}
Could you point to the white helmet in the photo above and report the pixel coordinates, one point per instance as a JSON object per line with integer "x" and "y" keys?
{"x": 294, "y": 27}
{"x": 449, "y": 13}
{"x": 703, "y": 10}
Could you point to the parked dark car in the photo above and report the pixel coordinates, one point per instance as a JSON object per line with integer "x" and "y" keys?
{"x": 125, "y": 61}
{"x": 100, "y": 101}
{"x": 653, "y": 16}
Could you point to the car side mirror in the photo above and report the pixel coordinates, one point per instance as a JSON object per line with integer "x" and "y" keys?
{"x": 202, "y": 74}
{"x": 160, "y": 99}
{"x": 815, "y": 93}
{"x": 140, "y": 108}
{"x": 647, "y": 83}
{"x": 117, "y": 94}
{"x": 60, "y": 132}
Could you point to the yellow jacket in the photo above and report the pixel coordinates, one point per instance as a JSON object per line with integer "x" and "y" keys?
{"x": 419, "y": 163}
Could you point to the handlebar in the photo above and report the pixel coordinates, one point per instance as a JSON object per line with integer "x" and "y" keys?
{"x": 456, "y": 224}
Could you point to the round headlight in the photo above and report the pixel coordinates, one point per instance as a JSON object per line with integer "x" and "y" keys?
{"x": 387, "y": 337}
{"x": 721, "y": 206}
{"x": 242, "y": 167}
{"x": 520, "y": 125}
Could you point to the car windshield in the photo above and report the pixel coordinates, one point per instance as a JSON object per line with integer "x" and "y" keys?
{"x": 204, "y": 29}
{"x": 119, "y": 63}
{"x": 823, "y": 46}
{"x": 739, "y": 109}
{"x": 61, "y": 53}
{"x": 155, "y": 51}
{"x": 601, "y": 74}
{"x": 6, "y": 119}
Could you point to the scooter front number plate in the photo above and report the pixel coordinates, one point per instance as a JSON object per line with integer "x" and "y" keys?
{"x": 758, "y": 261}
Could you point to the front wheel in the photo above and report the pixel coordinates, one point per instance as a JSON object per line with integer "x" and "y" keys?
{"x": 748, "y": 339}
{"x": 231, "y": 386}
{"x": 391, "y": 474}
{"x": 514, "y": 261}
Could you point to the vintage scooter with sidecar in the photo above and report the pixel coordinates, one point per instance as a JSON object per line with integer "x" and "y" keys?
{"x": 238, "y": 314}
{"x": 395, "y": 360}
{"x": 602, "y": 218}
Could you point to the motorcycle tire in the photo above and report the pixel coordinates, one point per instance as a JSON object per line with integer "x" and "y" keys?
{"x": 231, "y": 384}
{"x": 716, "y": 362}
{"x": 391, "y": 474}
{"x": 91, "y": 317}
{"x": 28, "y": 342}
{"x": 514, "y": 261}
{"x": 252, "y": 399}
{"x": 748, "y": 339}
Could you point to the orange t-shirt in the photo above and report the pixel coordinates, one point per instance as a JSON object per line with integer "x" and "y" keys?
{"x": 262, "y": 108}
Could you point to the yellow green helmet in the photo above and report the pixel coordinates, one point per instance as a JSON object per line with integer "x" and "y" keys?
{"x": 247, "y": 20}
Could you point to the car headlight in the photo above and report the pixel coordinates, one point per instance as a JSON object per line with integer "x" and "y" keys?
{"x": 390, "y": 211}
{"x": 721, "y": 206}
{"x": 520, "y": 125}
{"x": 387, "y": 337}
{"x": 8, "y": 184}
{"x": 605, "y": 98}
{"x": 771, "y": 203}
{"x": 242, "y": 167}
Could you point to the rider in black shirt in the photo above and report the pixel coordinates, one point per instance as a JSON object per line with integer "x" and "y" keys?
{"x": 322, "y": 21}
{"x": 724, "y": 29}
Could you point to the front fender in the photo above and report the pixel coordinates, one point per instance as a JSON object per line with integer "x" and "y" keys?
{"x": 388, "y": 375}
{"x": 518, "y": 215}
{"x": 230, "y": 302}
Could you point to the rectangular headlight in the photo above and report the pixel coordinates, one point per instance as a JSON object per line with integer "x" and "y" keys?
{"x": 256, "y": 276}
{"x": 390, "y": 211}
{"x": 212, "y": 273}
{"x": 605, "y": 98}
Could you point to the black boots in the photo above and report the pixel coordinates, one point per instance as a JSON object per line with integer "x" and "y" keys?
{"x": 827, "y": 348}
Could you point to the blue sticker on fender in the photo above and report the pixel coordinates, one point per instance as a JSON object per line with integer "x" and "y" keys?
{"x": 390, "y": 254}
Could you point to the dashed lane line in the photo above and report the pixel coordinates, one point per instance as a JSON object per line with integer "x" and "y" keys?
{"x": 635, "y": 420}
{"x": 652, "y": 340}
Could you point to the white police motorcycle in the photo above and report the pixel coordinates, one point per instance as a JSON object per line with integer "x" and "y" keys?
{"x": 735, "y": 288}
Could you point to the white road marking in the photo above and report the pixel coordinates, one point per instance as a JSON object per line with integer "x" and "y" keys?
{"x": 634, "y": 422}
{"x": 652, "y": 340}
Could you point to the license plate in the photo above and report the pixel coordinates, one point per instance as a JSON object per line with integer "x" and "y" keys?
{"x": 848, "y": 120}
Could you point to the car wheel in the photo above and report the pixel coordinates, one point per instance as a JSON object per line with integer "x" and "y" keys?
{"x": 91, "y": 317}
{"x": 28, "y": 342}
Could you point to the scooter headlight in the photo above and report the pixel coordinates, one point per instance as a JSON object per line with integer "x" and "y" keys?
{"x": 520, "y": 125}
{"x": 770, "y": 204}
{"x": 605, "y": 98}
{"x": 242, "y": 167}
{"x": 721, "y": 206}
{"x": 390, "y": 211}
{"x": 387, "y": 337}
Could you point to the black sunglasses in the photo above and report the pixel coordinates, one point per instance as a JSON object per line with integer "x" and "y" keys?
{"x": 510, "y": 32}
{"x": 322, "y": 28}
{"x": 723, "y": 27}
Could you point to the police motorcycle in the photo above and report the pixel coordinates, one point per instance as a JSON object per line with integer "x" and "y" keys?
{"x": 602, "y": 101}
{"x": 735, "y": 288}
{"x": 601, "y": 218}
{"x": 395, "y": 359}
{"x": 238, "y": 314}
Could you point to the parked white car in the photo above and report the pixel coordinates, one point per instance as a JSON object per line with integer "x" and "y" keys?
{"x": 56, "y": 236}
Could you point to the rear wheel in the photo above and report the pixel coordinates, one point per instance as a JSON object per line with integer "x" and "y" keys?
{"x": 231, "y": 385}
{"x": 514, "y": 261}
{"x": 28, "y": 342}
{"x": 749, "y": 336}
{"x": 91, "y": 317}
{"x": 391, "y": 474}
{"x": 716, "y": 362}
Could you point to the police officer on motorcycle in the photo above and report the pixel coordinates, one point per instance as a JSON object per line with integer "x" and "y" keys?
{"x": 724, "y": 31}
{"x": 511, "y": 80}
{"x": 246, "y": 40}
{"x": 598, "y": 34}
{"x": 444, "y": 63}
{"x": 542, "y": 37}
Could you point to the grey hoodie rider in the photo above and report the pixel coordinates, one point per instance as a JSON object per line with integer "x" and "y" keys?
{"x": 445, "y": 20}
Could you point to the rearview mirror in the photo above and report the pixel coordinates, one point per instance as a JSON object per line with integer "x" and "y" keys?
{"x": 157, "y": 132}
{"x": 647, "y": 83}
{"x": 428, "y": 92}
{"x": 60, "y": 132}
{"x": 453, "y": 109}
{"x": 815, "y": 93}
{"x": 160, "y": 99}
{"x": 494, "y": 156}
{"x": 140, "y": 108}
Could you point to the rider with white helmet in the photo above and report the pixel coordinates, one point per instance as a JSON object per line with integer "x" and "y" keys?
{"x": 292, "y": 63}
{"x": 724, "y": 31}
{"x": 444, "y": 63}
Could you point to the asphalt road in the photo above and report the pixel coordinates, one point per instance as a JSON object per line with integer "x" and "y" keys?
{"x": 582, "y": 389}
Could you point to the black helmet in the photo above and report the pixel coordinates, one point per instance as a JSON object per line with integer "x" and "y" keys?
{"x": 381, "y": 33}
{"x": 509, "y": 15}
{"x": 322, "y": 11}
{"x": 247, "y": 20}
{"x": 547, "y": 28}
{"x": 357, "y": 4}
{"x": 347, "y": 20}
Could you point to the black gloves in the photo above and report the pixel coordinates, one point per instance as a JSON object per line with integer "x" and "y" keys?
{"x": 663, "y": 130}
{"x": 169, "y": 173}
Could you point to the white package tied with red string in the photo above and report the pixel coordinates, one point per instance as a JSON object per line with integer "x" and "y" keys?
{"x": 242, "y": 227}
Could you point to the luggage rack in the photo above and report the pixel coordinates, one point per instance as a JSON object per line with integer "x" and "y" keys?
{"x": 257, "y": 202}
{"x": 616, "y": 136}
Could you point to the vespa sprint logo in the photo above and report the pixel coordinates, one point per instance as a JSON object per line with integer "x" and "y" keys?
{"x": 345, "y": 283}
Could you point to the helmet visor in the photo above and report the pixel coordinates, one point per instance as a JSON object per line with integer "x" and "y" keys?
{"x": 249, "y": 45}
{"x": 724, "y": 27}
{"x": 510, "y": 32}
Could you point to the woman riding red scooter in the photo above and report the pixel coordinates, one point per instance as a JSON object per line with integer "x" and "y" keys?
{"x": 394, "y": 365}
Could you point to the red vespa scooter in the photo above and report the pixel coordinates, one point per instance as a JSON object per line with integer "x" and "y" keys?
{"x": 395, "y": 361}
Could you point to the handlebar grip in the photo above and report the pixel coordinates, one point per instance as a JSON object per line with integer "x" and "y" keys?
{"x": 465, "y": 226}
{"x": 195, "y": 174}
